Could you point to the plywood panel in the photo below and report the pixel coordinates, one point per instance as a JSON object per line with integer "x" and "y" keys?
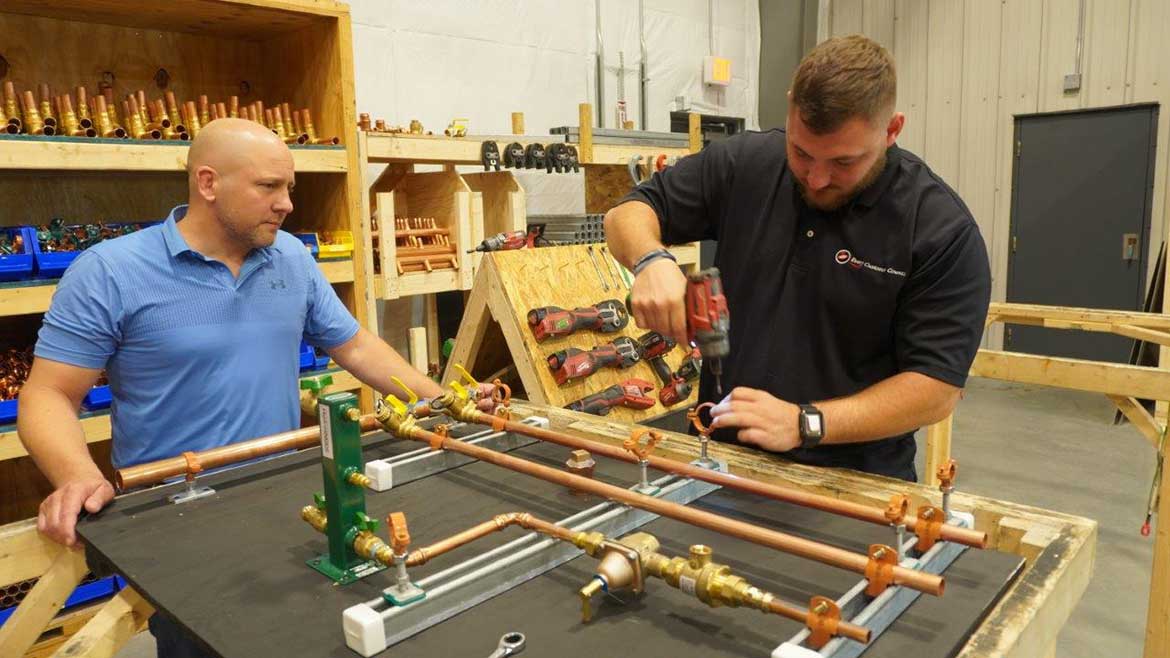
{"x": 1058, "y": 49}
{"x": 1106, "y": 48}
{"x": 878, "y": 22}
{"x": 847, "y": 17}
{"x": 944, "y": 80}
{"x": 980, "y": 101}
{"x": 911, "y": 19}
{"x": 1019, "y": 81}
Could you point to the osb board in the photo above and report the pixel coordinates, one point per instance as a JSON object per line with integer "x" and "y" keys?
{"x": 1060, "y": 548}
{"x": 605, "y": 186}
{"x": 564, "y": 277}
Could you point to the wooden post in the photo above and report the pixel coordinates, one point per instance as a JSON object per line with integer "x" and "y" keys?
{"x": 109, "y": 630}
{"x": 695, "y": 131}
{"x": 517, "y": 123}
{"x": 1158, "y": 615}
{"x": 43, "y": 602}
{"x": 938, "y": 449}
{"x": 417, "y": 338}
{"x": 585, "y": 119}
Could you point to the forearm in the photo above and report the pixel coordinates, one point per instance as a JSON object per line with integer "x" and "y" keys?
{"x": 631, "y": 230}
{"x": 893, "y": 406}
{"x": 374, "y": 362}
{"x": 51, "y": 432}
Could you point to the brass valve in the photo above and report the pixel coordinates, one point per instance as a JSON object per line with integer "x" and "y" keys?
{"x": 710, "y": 582}
{"x": 315, "y": 517}
{"x": 371, "y": 547}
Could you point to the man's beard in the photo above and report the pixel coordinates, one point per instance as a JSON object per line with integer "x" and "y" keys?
{"x": 837, "y": 202}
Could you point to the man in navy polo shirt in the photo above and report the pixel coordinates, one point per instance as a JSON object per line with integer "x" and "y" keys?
{"x": 197, "y": 322}
{"x": 856, "y": 279}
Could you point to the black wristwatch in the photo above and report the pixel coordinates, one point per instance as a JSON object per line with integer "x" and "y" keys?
{"x": 812, "y": 426}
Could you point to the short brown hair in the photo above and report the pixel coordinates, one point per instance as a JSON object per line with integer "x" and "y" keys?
{"x": 843, "y": 78}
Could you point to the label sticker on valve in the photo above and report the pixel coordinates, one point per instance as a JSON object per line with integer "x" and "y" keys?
{"x": 326, "y": 432}
{"x": 686, "y": 584}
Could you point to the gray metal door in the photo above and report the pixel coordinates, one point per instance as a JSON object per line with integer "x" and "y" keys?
{"x": 1082, "y": 186}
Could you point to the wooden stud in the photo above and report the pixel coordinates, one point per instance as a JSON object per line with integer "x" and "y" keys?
{"x": 417, "y": 338}
{"x": 43, "y": 602}
{"x": 695, "y": 132}
{"x": 1109, "y": 378}
{"x": 109, "y": 630}
{"x": 585, "y": 126}
{"x": 517, "y": 123}
{"x": 1142, "y": 420}
{"x": 938, "y": 449}
{"x": 1158, "y": 613}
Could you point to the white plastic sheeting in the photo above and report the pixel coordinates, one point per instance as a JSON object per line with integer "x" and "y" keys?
{"x": 434, "y": 60}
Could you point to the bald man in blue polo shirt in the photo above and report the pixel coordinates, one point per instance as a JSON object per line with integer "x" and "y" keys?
{"x": 197, "y": 322}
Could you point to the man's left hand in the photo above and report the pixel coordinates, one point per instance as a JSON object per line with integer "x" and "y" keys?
{"x": 763, "y": 419}
{"x": 484, "y": 401}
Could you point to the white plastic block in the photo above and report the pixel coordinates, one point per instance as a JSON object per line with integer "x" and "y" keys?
{"x": 365, "y": 632}
{"x": 381, "y": 474}
{"x": 788, "y": 650}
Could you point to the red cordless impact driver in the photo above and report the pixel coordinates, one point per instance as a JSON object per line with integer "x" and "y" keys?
{"x": 631, "y": 393}
{"x": 604, "y": 317}
{"x": 572, "y": 363}
{"x": 510, "y": 240}
{"x": 708, "y": 321}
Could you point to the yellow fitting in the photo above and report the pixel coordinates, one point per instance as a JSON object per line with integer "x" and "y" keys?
{"x": 358, "y": 480}
{"x": 586, "y": 593}
{"x": 590, "y": 542}
{"x": 700, "y": 556}
{"x": 315, "y": 518}
{"x": 371, "y": 547}
{"x": 354, "y": 414}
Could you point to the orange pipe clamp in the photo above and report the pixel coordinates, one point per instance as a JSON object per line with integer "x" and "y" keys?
{"x": 896, "y": 510}
{"x": 399, "y": 534}
{"x": 641, "y": 449}
{"x": 946, "y": 474}
{"x": 929, "y": 527}
{"x": 880, "y": 569}
{"x": 824, "y": 616}
{"x": 696, "y": 421}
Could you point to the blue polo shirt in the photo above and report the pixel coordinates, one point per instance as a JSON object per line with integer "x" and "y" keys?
{"x": 196, "y": 358}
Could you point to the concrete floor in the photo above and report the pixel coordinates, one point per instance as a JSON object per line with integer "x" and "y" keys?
{"x": 1057, "y": 450}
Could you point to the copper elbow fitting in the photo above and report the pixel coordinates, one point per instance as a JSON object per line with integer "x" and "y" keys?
{"x": 83, "y": 116}
{"x": 364, "y": 121}
{"x": 233, "y": 109}
{"x": 307, "y": 124}
{"x": 158, "y": 115}
{"x": 191, "y": 118}
{"x": 69, "y": 120}
{"x": 204, "y": 112}
{"x": 32, "y": 117}
{"x": 106, "y": 123}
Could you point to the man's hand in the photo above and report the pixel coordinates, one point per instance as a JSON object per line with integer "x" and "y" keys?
{"x": 58, "y": 514}
{"x": 484, "y": 401}
{"x": 657, "y": 299}
{"x": 764, "y": 420}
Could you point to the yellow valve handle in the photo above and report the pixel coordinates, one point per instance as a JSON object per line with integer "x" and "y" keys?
{"x": 470, "y": 381}
{"x": 412, "y": 397}
{"x": 397, "y": 405}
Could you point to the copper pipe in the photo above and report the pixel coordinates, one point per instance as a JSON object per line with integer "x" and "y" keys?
{"x": 364, "y": 122}
{"x": 204, "y": 115}
{"x": 191, "y": 118}
{"x": 158, "y": 114}
{"x": 234, "y": 106}
{"x": 286, "y": 114}
{"x": 857, "y": 511}
{"x": 138, "y": 128}
{"x": 806, "y": 548}
{"x": 526, "y": 520}
{"x": 261, "y": 115}
{"x": 47, "y": 107}
{"x": 142, "y": 475}
{"x": 32, "y": 117}
{"x": 11, "y": 105}
{"x": 222, "y": 110}
{"x": 106, "y": 127}
{"x": 84, "y": 119}
{"x": 173, "y": 109}
{"x": 70, "y": 122}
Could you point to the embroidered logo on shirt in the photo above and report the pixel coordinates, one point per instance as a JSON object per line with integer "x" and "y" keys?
{"x": 846, "y": 257}
{"x": 276, "y": 283}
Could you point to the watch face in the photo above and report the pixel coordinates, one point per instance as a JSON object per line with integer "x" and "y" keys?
{"x": 813, "y": 423}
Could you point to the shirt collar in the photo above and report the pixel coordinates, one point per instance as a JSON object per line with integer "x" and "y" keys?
{"x": 176, "y": 244}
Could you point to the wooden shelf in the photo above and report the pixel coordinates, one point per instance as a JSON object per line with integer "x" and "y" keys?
{"x": 439, "y": 149}
{"x": 35, "y": 298}
{"x": 24, "y": 153}
{"x": 97, "y": 426}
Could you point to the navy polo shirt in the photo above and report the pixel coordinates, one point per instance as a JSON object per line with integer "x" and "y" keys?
{"x": 826, "y": 304}
{"x": 196, "y": 358}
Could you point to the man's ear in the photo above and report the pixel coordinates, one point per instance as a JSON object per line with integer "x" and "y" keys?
{"x": 207, "y": 183}
{"x": 894, "y": 128}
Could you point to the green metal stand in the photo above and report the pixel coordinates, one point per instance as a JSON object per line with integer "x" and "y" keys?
{"x": 343, "y": 502}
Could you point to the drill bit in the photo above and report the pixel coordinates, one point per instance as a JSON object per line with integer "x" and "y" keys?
{"x": 717, "y": 370}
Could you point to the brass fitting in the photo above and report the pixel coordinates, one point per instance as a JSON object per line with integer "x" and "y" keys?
{"x": 358, "y": 479}
{"x": 711, "y": 583}
{"x": 371, "y": 547}
{"x": 11, "y": 105}
{"x": 315, "y": 517}
{"x": 191, "y": 119}
{"x": 69, "y": 120}
{"x": 83, "y": 116}
{"x": 107, "y": 125}
{"x": 307, "y": 125}
{"x": 32, "y": 117}
{"x": 47, "y": 107}
{"x": 396, "y": 422}
{"x": 204, "y": 112}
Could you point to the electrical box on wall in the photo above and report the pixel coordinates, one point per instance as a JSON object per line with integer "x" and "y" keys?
{"x": 716, "y": 71}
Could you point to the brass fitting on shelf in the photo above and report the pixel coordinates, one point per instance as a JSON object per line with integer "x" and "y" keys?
{"x": 315, "y": 517}
{"x": 12, "y": 106}
{"x": 70, "y": 125}
{"x": 137, "y": 127}
{"x": 107, "y": 125}
{"x": 32, "y": 117}
{"x": 204, "y": 112}
{"x": 84, "y": 118}
{"x": 307, "y": 124}
{"x": 47, "y": 107}
{"x": 191, "y": 119}
{"x": 233, "y": 109}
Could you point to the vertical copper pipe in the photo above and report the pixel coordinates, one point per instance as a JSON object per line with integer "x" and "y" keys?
{"x": 270, "y": 121}
{"x": 204, "y": 115}
{"x": 286, "y": 114}
{"x": 32, "y": 117}
{"x": 222, "y": 109}
{"x": 234, "y": 106}
{"x": 47, "y": 116}
{"x": 192, "y": 120}
{"x": 307, "y": 121}
{"x": 173, "y": 110}
{"x": 260, "y": 112}
{"x": 806, "y": 548}
{"x": 70, "y": 122}
{"x": 12, "y": 105}
{"x": 857, "y": 511}
{"x": 215, "y": 112}
{"x": 84, "y": 119}
{"x": 105, "y": 124}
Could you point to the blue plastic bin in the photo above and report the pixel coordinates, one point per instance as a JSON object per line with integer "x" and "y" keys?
{"x": 99, "y": 397}
{"x": 7, "y": 412}
{"x": 307, "y": 358}
{"x": 311, "y": 241}
{"x": 15, "y": 267}
{"x": 51, "y": 265}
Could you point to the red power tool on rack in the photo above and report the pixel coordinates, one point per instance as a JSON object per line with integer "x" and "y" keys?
{"x": 674, "y": 389}
{"x": 572, "y": 363}
{"x": 604, "y": 317}
{"x": 631, "y": 393}
{"x": 708, "y": 321}
{"x": 510, "y": 240}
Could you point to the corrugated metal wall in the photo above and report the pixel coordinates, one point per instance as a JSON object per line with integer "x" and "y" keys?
{"x": 965, "y": 67}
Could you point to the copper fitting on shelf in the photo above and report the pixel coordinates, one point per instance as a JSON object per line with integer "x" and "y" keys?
{"x": 286, "y": 115}
{"x": 137, "y": 128}
{"x": 69, "y": 120}
{"x": 965, "y": 536}
{"x": 12, "y": 105}
{"x": 7, "y": 125}
{"x": 307, "y": 123}
{"x": 174, "y": 112}
{"x": 47, "y": 106}
{"x": 221, "y": 109}
{"x": 32, "y": 117}
{"x": 106, "y": 125}
{"x": 158, "y": 114}
{"x": 233, "y": 108}
{"x": 405, "y": 427}
{"x": 84, "y": 119}
{"x": 262, "y": 114}
{"x": 191, "y": 118}
{"x": 380, "y": 125}
{"x": 364, "y": 121}
{"x": 204, "y": 114}
{"x": 280, "y": 126}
